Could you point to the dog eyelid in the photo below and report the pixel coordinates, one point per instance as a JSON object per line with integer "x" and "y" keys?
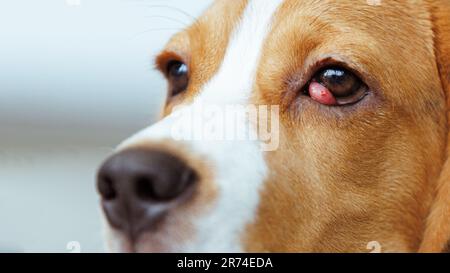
{"x": 177, "y": 73}
{"x": 336, "y": 86}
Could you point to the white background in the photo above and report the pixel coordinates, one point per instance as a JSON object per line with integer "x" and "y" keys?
{"x": 75, "y": 80}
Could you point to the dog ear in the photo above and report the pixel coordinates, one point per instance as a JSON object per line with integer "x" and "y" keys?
{"x": 437, "y": 232}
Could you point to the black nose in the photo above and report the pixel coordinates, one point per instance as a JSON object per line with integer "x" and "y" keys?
{"x": 138, "y": 186}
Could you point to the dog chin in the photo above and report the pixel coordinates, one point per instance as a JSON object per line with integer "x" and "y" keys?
{"x": 117, "y": 242}
{"x": 146, "y": 243}
{"x": 167, "y": 238}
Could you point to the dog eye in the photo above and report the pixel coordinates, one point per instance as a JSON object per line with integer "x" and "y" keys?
{"x": 177, "y": 75}
{"x": 336, "y": 86}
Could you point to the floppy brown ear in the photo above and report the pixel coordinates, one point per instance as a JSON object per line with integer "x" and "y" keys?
{"x": 437, "y": 232}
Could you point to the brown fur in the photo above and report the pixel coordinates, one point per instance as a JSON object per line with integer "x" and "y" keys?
{"x": 202, "y": 46}
{"x": 437, "y": 234}
{"x": 343, "y": 177}
{"x": 366, "y": 174}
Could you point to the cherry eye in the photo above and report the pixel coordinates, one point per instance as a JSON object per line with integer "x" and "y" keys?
{"x": 336, "y": 86}
{"x": 177, "y": 75}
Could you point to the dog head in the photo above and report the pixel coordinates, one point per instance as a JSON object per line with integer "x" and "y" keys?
{"x": 292, "y": 126}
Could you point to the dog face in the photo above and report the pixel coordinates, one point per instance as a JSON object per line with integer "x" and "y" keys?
{"x": 359, "y": 121}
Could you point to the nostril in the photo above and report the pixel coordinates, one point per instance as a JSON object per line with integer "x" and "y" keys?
{"x": 188, "y": 178}
{"x": 106, "y": 188}
{"x": 175, "y": 187}
{"x": 149, "y": 188}
{"x": 160, "y": 188}
{"x": 144, "y": 188}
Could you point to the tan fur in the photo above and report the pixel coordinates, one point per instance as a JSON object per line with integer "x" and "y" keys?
{"x": 344, "y": 177}
{"x": 367, "y": 174}
{"x": 437, "y": 234}
{"x": 202, "y": 46}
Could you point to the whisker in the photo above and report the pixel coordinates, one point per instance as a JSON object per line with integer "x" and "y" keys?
{"x": 157, "y": 29}
{"x": 168, "y": 18}
{"x": 174, "y": 9}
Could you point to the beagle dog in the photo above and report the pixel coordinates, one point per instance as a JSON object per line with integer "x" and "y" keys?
{"x": 355, "y": 94}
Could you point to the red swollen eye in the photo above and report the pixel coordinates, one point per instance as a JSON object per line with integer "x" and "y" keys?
{"x": 321, "y": 94}
{"x": 335, "y": 86}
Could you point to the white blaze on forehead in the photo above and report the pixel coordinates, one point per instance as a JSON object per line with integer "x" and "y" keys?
{"x": 234, "y": 81}
{"x": 239, "y": 166}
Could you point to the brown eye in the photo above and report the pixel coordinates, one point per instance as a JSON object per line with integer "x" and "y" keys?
{"x": 177, "y": 75}
{"x": 336, "y": 86}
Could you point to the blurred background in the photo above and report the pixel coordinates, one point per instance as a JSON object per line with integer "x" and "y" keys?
{"x": 76, "y": 78}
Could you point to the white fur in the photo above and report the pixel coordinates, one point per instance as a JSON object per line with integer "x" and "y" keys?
{"x": 240, "y": 167}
